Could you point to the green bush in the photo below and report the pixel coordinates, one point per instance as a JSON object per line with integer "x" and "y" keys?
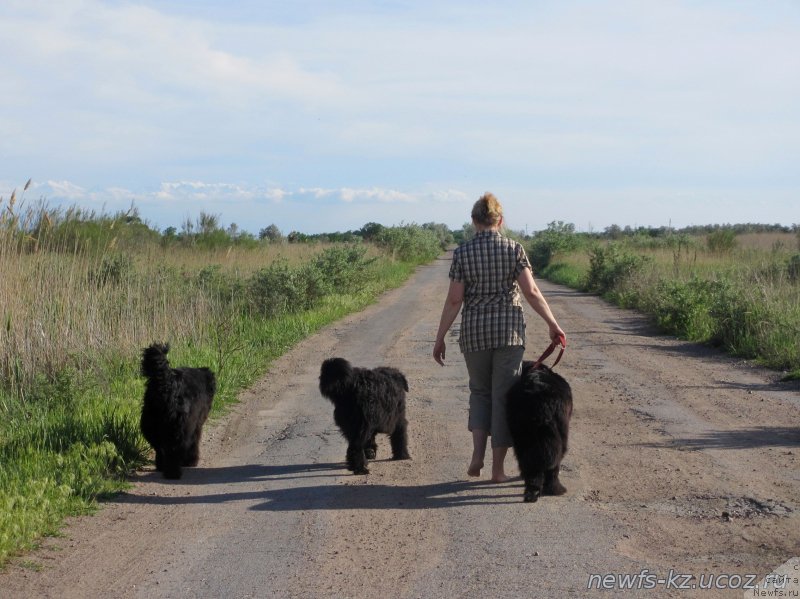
{"x": 343, "y": 267}
{"x": 281, "y": 289}
{"x": 276, "y": 289}
{"x": 610, "y": 268}
{"x": 684, "y": 308}
{"x": 409, "y": 243}
{"x": 558, "y": 237}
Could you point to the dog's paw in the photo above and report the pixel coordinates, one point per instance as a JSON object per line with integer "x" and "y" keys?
{"x": 363, "y": 470}
{"x": 531, "y": 496}
{"x": 370, "y": 454}
{"x": 402, "y": 456}
{"x": 554, "y": 489}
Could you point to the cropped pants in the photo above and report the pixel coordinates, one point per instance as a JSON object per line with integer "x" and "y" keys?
{"x": 492, "y": 372}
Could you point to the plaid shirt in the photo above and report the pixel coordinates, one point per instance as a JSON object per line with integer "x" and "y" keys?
{"x": 491, "y": 317}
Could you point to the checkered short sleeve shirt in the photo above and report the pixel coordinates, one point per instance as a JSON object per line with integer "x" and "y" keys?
{"x": 491, "y": 316}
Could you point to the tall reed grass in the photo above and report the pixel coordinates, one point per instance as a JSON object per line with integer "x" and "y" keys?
{"x": 81, "y": 294}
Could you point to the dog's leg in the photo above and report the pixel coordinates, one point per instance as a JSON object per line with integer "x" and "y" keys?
{"x": 552, "y": 486}
{"x": 562, "y": 424}
{"x": 399, "y": 440}
{"x": 356, "y": 460}
{"x": 371, "y": 448}
{"x": 192, "y": 456}
{"x": 533, "y": 487}
{"x": 159, "y": 460}
{"x": 172, "y": 464}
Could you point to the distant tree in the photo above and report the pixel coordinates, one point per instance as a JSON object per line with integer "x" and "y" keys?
{"x": 442, "y": 232}
{"x": 295, "y": 237}
{"x": 371, "y": 230}
{"x": 467, "y": 231}
{"x": 207, "y": 223}
{"x": 558, "y": 237}
{"x": 169, "y": 235}
{"x": 271, "y": 233}
{"x": 187, "y": 227}
{"x": 614, "y": 232}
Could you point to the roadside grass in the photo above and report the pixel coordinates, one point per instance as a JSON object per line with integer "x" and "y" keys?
{"x": 744, "y": 297}
{"x": 73, "y": 322}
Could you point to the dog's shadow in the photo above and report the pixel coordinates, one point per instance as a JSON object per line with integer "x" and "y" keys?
{"x": 247, "y": 472}
{"x": 354, "y": 494}
{"x": 379, "y": 497}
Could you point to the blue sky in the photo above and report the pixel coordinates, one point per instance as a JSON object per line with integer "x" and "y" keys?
{"x": 321, "y": 116}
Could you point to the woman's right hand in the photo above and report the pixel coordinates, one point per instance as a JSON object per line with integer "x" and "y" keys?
{"x": 439, "y": 351}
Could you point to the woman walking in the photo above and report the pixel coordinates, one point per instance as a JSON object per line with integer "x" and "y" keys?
{"x": 487, "y": 275}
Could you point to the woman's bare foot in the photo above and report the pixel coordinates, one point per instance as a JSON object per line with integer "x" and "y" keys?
{"x": 498, "y": 461}
{"x": 475, "y": 469}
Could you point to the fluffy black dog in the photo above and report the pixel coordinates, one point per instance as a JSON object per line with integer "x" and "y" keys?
{"x": 366, "y": 402}
{"x": 176, "y": 405}
{"x": 538, "y": 411}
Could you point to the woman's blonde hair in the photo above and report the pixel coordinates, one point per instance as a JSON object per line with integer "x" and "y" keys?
{"x": 487, "y": 211}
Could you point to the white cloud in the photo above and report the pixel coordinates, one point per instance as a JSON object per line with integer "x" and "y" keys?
{"x": 64, "y": 190}
{"x": 379, "y": 195}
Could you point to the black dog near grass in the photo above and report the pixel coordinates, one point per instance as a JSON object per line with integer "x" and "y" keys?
{"x": 176, "y": 405}
{"x": 366, "y": 402}
{"x": 539, "y": 409}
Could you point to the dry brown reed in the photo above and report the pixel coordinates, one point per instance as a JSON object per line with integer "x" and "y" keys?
{"x": 60, "y": 309}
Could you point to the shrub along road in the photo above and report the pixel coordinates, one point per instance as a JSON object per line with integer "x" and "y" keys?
{"x": 682, "y": 463}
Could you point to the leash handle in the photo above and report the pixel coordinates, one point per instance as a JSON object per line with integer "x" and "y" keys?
{"x": 550, "y": 349}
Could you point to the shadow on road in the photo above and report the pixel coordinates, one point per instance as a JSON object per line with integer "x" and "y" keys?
{"x": 350, "y": 493}
{"x": 762, "y": 436}
{"x": 366, "y": 497}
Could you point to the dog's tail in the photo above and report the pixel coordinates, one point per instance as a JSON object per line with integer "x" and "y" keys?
{"x": 155, "y": 365}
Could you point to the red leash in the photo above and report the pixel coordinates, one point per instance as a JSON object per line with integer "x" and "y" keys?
{"x": 550, "y": 349}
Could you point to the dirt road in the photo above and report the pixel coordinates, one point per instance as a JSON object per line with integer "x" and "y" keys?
{"x": 682, "y": 462}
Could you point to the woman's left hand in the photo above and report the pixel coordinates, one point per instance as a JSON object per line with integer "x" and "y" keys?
{"x": 558, "y": 336}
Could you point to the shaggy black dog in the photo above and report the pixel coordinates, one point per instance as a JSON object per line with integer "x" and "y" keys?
{"x": 538, "y": 411}
{"x": 176, "y": 405}
{"x": 366, "y": 402}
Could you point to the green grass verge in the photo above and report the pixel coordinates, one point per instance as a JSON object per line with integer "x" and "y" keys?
{"x": 71, "y": 441}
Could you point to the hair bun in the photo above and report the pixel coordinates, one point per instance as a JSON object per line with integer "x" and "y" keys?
{"x": 487, "y": 211}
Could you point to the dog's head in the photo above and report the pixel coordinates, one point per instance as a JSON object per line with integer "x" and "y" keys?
{"x": 334, "y": 372}
{"x": 154, "y": 359}
{"x": 543, "y": 377}
{"x": 529, "y": 367}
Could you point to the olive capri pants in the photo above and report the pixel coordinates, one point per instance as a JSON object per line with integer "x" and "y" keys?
{"x": 492, "y": 372}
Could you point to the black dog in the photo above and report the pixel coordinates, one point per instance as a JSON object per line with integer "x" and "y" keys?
{"x": 176, "y": 405}
{"x": 366, "y": 402}
{"x": 538, "y": 411}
